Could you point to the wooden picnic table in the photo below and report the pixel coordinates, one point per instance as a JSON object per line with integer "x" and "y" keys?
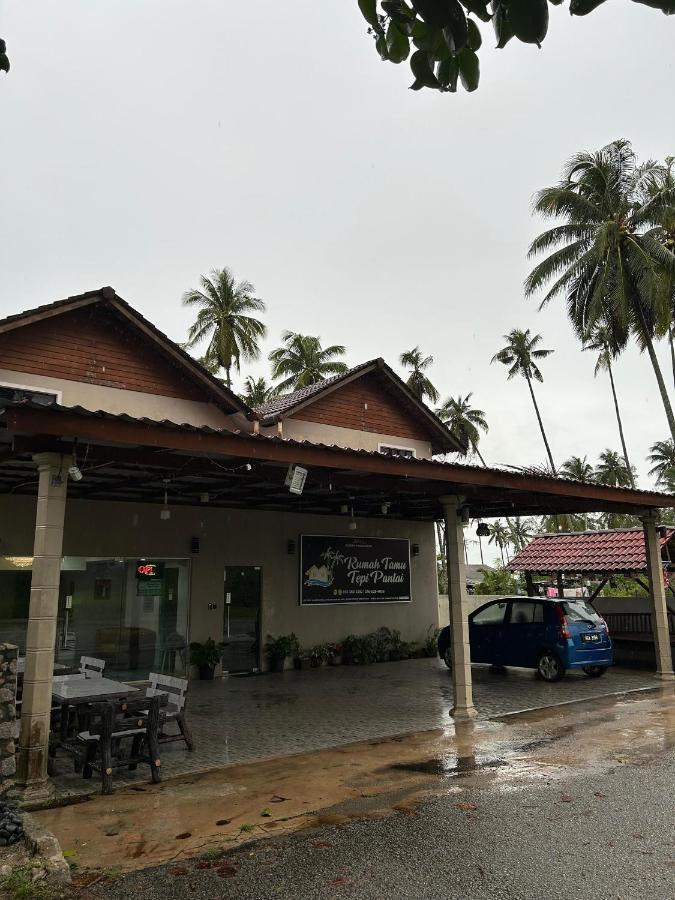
{"x": 75, "y": 690}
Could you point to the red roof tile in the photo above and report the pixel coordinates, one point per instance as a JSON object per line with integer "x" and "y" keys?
{"x": 586, "y": 552}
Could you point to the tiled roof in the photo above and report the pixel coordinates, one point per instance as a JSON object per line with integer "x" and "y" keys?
{"x": 284, "y": 402}
{"x": 586, "y": 552}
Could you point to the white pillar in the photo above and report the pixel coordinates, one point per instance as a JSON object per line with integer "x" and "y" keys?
{"x": 459, "y": 610}
{"x": 657, "y": 595}
{"x": 41, "y": 633}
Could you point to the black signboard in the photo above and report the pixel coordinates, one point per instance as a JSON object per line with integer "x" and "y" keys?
{"x": 337, "y": 569}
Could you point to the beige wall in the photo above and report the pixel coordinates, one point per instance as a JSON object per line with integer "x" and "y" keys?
{"x": 298, "y": 430}
{"x": 133, "y": 403}
{"x": 235, "y": 537}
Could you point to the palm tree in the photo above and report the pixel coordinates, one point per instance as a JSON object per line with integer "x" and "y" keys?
{"x": 225, "y": 317}
{"x": 302, "y": 361}
{"x": 662, "y": 457}
{"x": 578, "y": 469}
{"x": 417, "y": 381}
{"x": 608, "y": 267}
{"x": 519, "y": 355}
{"x": 520, "y": 531}
{"x": 602, "y": 341}
{"x": 464, "y": 421}
{"x": 612, "y": 470}
{"x": 501, "y": 536}
{"x": 258, "y": 392}
{"x": 564, "y": 523}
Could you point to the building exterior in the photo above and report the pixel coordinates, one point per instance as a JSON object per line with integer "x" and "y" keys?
{"x": 143, "y": 506}
{"x": 232, "y": 574}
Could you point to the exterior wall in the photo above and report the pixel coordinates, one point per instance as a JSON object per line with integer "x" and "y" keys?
{"x": 237, "y": 537}
{"x": 8, "y": 721}
{"x": 117, "y": 400}
{"x": 365, "y": 405}
{"x": 97, "y": 347}
{"x": 302, "y": 430}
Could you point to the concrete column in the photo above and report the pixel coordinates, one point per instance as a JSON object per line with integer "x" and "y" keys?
{"x": 459, "y": 611}
{"x": 41, "y": 635}
{"x": 657, "y": 595}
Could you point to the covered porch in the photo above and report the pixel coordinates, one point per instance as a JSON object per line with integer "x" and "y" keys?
{"x": 136, "y": 462}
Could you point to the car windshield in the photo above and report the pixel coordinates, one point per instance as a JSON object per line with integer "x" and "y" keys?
{"x": 580, "y": 611}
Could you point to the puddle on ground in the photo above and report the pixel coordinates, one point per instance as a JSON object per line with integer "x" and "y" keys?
{"x": 221, "y": 808}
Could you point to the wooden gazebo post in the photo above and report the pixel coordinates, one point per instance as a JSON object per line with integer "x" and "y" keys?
{"x": 657, "y": 596}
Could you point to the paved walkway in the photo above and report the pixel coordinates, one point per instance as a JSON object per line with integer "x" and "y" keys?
{"x": 244, "y": 718}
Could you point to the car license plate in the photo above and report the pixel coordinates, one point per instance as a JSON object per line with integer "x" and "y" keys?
{"x": 590, "y": 638}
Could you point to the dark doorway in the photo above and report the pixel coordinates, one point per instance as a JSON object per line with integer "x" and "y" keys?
{"x": 241, "y": 618}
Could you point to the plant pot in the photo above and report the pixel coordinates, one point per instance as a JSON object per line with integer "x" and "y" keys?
{"x": 206, "y": 672}
{"x": 302, "y": 662}
{"x": 335, "y": 660}
{"x": 277, "y": 664}
{"x": 315, "y": 662}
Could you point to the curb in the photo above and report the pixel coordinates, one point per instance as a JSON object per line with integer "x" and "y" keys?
{"x": 43, "y": 843}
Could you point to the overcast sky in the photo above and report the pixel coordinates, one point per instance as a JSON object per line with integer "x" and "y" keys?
{"x": 144, "y": 143}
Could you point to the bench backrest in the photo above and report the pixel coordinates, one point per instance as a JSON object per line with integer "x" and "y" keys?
{"x": 92, "y": 667}
{"x": 174, "y": 688}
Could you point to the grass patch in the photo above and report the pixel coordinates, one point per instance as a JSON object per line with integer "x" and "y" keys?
{"x": 20, "y": 886}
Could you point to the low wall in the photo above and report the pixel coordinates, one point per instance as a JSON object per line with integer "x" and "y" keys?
{"x": 8, "y": 721}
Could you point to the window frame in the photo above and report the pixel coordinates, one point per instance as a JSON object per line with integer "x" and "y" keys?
{"x": 482, "y": 609}
{"x": 384, "y": 446}
{"x": 34, "y": 389}
{"x": 533, "y": 602}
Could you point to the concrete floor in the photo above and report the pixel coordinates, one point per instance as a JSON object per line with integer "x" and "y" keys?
{"x": 246, "y": 718}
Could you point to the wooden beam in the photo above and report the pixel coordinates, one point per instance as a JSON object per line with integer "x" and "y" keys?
{"x": 451, "y": 477}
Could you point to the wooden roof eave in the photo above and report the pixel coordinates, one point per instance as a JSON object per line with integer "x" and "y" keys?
{"x": 434, "y": 477}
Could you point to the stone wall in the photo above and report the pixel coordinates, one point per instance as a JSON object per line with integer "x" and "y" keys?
{"x": 8, "y": 721}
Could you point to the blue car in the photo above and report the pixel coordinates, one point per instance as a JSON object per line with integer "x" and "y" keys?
{"x": 549, "y": 636}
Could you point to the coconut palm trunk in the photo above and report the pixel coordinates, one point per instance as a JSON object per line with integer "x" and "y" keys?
{"x": 619, "y": 423}
{"x": 541, "y": 424}
{"x": 672, "y": 350}
{"x": 649, "y": 344}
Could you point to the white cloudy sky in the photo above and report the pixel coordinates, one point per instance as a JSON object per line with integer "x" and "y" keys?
{"x": 147, "y": 141}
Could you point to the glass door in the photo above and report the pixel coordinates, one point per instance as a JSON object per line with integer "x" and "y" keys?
{"x": 241, "y": 618}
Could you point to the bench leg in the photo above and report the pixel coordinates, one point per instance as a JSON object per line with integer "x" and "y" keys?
{"x": 185, "y": 731}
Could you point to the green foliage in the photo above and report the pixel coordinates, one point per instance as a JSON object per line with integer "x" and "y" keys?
{"x": 464, "y": 421}
{"x": 4, "y": 59}
{"x": 498, "y": 581}
{"x": 225, "y": 319}
{"x": 302, "y": 361}
{"x": 282, "y": 646}
{"x": 258, "y": 392}
{"x": 206, "y": 654}
{"x": 440, "y": 39}
{"x": 19, "y": 885}
{"x": 620, "y": 586}
{"x": 431, "y": 641}
{"x": 418, "y": 381}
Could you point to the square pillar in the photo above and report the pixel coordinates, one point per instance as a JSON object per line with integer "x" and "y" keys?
{"x": 657, "y": 596}
{"x": 462, "y": 683}
{"x": 41, "y": 634}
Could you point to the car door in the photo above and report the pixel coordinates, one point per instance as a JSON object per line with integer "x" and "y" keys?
{"x": 523, "y": 633}
{"x": 486, "y": 632}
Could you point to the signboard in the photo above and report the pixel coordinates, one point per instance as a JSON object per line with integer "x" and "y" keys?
{"x": 337, "y": 569}
{"x": 149, "y": 577}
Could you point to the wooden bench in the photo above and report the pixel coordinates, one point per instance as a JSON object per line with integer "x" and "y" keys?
{"x": 175, "y": 691}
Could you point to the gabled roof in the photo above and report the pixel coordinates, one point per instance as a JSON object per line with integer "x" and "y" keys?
{"x": 215, "y": 391}
{"x": 587, "y": 552}
{"x": 285, "y": 405}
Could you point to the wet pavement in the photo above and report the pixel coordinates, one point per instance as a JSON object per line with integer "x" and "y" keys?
{"x": 240, "y": 719}
{"x": 561, "y": 781}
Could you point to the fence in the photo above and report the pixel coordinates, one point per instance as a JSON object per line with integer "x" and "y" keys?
{"x": 623, "y": 623}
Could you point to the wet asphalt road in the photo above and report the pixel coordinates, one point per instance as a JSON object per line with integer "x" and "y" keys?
{"x": 600, "y": 835}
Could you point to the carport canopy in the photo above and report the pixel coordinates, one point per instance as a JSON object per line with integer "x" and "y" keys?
{"x": 134, "y": 460}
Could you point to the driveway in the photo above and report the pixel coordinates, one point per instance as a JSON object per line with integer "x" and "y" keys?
{"x": 245, "y": 718}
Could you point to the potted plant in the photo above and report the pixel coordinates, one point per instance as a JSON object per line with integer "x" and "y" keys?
{"x": 335, "y": 652}
{"x": 303, "y": 659}
{"x": 206, "y": 657}
{"x": 277, "y": 649}
{"x": 319, "y": 654}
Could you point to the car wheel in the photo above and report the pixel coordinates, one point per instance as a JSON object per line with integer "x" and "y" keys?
{"x": 595, "y": 671}
{"x": 549, "y": 667}
{"x": 447, "y": 658}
